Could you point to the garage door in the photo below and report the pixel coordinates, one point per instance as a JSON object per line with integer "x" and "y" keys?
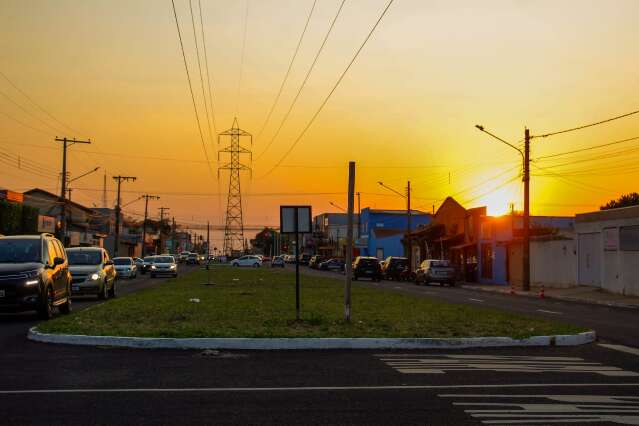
{"x": 590, "y": 259}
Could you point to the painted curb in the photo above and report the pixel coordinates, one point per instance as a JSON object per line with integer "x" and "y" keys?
{"x": 309, "y": 343}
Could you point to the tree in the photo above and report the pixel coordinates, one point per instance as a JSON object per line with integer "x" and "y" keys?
{"x": 625, "y": 200}
{"x": 263, "y": 241}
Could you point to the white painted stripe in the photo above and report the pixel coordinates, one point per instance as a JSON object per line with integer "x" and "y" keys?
{"x": 549, "y": 312}
{"x": 621, "y": 348}
{"x": 313, "y": 388}
{"x": 476, "y": 300}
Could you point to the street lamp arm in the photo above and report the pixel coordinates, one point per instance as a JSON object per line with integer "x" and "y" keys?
{"x": 336, "y": 206}
{"x": 391, "y": 189}
{"x": 83, "y": 175}
{"x": 481, "y": 129}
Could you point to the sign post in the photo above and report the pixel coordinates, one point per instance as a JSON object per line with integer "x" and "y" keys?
{"x": 296, "y": 220}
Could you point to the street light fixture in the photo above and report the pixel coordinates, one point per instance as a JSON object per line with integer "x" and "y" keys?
{"x": 336, "y": 206}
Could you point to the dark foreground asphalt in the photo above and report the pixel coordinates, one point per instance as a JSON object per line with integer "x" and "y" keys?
{"x": 58, "y": 384}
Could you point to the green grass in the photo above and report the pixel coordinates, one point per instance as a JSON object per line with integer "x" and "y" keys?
{"x": 261, "y": 303}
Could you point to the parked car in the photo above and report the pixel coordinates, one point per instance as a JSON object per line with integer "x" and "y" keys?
{"x": 266, "y": 259}
{"x": 125, "y": 267}
{"x": 183, "y": 256}
{"x": 34, "y": 275}
{"x": 433, "y": 270}
{"x": 92, "y": 272}
{"x": 277, "y": 261}
{"x": 164, "y": 265}
{"x": 146, "y": 266}
{"x": 367, "y": 267}
{"x": 395, "y": 268}
{"x": 193, "y": 259}
{"x": 332, "y": 265}
{"x": 289, "y": 258}
{"x": 248, "y": 260}
{"x": 139, "y": 262}
{"x": 304, "y": 259}
{"x": 315, "y": 261}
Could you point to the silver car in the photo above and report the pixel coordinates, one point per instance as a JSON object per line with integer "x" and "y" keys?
{"x": 92, "y": 272}
{"x": 164, "y": 265}
{"x": 125, "y": 267}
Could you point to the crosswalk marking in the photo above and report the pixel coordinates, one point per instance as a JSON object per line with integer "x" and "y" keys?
{"x": 549, "y": 312}
{"x": 441, "y": 364}
{"x": 544, "y": 409}
{"x": 620, "y": 348}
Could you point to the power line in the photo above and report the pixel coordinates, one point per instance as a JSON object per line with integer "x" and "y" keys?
{"x": 188, "y": 77}
{"x": 588, "y": 148}
{"x": 29, "y": 113}
{"x": 199, "y": 66}
{"x": 339, "y": 80}
{"x": 239, "y": 80}
{"x": 545, "y": 135}
{"x": 35, "y": 129}
{"x": 306, "y": 77}
{"x": 206, "y": 62}
{"x": 288, "y": 71}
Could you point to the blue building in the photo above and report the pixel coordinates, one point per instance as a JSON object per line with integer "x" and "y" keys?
{"x": 383, "y": 231}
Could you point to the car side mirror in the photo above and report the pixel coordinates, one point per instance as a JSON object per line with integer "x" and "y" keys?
{"x": 58, "y": 261}
{"x": 108, "y": 263}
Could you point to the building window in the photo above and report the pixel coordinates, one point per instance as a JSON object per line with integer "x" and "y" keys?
{"x": 487, "y": 255}
{"x": 629, "y": 238}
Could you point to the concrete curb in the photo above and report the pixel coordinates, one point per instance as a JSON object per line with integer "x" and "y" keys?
{"x": 550, "y": 296}
{"x": 309, "y": 343}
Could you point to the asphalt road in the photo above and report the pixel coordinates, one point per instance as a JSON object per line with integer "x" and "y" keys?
{"x": 612, "y": 324}
{"x": 59, "y": 384}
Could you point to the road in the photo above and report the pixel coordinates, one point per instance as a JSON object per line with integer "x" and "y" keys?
{"x": 612, "y": 324}
{"x": 59, "y": 384}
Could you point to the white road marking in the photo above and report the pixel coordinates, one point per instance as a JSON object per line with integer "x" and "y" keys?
{"x": 441, "y": 364}
{"x": 549, "y": 312}
{"x": 476, "y": 300}
{"x": 551, "y": 408}
{"x": 314, "y": 388}
{"x": 397, "y": 287}
{"x": 621, "y": 348}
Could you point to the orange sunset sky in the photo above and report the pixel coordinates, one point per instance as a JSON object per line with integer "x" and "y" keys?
{"x": 112, "y": 71}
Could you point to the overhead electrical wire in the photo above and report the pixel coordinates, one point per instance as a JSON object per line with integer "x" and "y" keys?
{"x": 206, "y": 63}
{"x": 325, "y": 101}
{"x": 199, "y": 67}
{"x": 306, "y": 77}
{"x": 501, "y": 185}
{"x": 545, "y": 135}
{"x": 588, "y": 148}
{"x": 288, "y": 71}
{"x": 188, "y": 77}
{"x": 239, "y": 80}
{"x": 35, "y": 129}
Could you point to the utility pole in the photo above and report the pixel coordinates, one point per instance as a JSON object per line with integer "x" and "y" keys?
{"x": 63, "y": 191}
{"x": 104, "y": 191}
{"x": 146, "y": 197}
{"x": 208, "y": 240}
{"x": 408, "y": 229}
{"x": 173, "y": 235}
{"x": 119, "y": 179}
{"x": 349, "y": 242}
{"x": 526, "y": 219}
{"x": 162, "y": 210}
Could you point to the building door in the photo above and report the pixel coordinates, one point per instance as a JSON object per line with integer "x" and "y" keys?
{"x": 589, "y": 249}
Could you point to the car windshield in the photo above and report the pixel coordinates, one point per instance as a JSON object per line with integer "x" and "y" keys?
{"x": 13, "y": 250}
{"x": 368, "y": 262}
{"x": 440, "y": 264}
{"x": 163, "y": 259}
{"x": 93, "y": 257}
{"x": 122, "y": 261}
{"x": 149, "y": 258}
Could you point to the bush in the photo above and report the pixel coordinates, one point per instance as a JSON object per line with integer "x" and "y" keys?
{"x": 18, "y": 219}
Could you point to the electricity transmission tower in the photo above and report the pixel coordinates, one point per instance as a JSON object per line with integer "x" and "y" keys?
{"x": 234, "y": 228}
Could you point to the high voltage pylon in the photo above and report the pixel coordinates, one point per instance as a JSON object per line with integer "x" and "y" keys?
{"x": 234, "y": 227}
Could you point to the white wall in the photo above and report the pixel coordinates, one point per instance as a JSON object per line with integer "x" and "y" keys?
{"x": 553, "y": 263}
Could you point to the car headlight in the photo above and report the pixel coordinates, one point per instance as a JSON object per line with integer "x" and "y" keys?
{"x": 95, "y": 276}
{"x": 31, "y": 282}
{"x": 172, "y": 266}
{"x": 152, "y": 266}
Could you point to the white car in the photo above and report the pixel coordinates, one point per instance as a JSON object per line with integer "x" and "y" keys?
{"x": 248, "y": 260}
{"x": 164, "y": 265}
{"x": 125, "y": 267}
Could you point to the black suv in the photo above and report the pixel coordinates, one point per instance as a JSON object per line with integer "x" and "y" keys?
{"x": 395, "y": 268}
{"x": 34, "y": 275}
{"x": 367, "y": 267}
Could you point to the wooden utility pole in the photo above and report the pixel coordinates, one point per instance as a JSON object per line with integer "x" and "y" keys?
{"x": 526, "y": 219}
{"x": 146, "y": 197}
{"x": 63, "y": 191}
{"x": 162, "y": 210}
{"x": 119, "y": 179}
{"x": 349, "y": 242}
{"x": 409, "y": 253}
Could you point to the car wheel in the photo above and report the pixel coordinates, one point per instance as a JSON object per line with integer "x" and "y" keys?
{"x": 46, "y": 309}
{"x": 256, "y": 265}
{"x": 65, "y": 308}
{"x": 113, "y": 291}
{"x": 103, "y": 292}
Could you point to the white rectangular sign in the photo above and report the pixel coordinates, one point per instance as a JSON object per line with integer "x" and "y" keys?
{"x": 287, "y": 219}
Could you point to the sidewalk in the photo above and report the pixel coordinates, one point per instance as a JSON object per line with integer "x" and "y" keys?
{"x": 580, "y": 294}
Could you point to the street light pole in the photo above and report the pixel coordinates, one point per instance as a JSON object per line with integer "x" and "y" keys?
{"x": 118, "y": 209}
{"x": 146, "y": 197}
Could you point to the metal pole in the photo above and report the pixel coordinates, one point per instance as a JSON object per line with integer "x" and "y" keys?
{"x": 297, "y": 266}
{"x": 526, "y": 224}
{"x": 408, "y": 228}
{"x": 63, "y": 207}
{"x": 146, "y": 212}
{"x": 117, "y": 223}
{"x": 349, "y": 242}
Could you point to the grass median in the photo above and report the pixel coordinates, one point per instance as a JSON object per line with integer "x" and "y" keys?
{"x": 261, "y": 303}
